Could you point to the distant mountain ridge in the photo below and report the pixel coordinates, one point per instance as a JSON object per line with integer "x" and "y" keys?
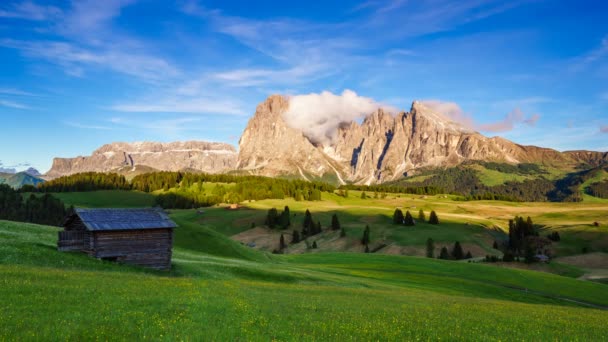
{"x": 19, "y": 179}
{"x": 210, "y": 157}
{"x": 383, "y": 148}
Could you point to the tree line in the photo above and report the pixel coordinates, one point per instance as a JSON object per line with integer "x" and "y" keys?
{"x": 44, "y": 209}
{"x": 183, "y": 190}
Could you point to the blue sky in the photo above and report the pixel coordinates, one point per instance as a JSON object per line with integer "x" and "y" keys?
{"x": 76, "y": 75}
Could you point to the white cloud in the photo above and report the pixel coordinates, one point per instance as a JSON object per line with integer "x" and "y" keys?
{"x": 13, "y": 91}
{"x": 73, "y": 58}
{"x": 456, "y": 114}
{"x": 86, "y": 126}
{"x": 318, "y": 116}
{"x": 30, "y": 11}
{"x": 12, "y": 104}
{"x": 183, "y": 105}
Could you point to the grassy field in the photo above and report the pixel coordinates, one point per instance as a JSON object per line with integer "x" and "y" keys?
{"x": 476, "y": 224}
{"x": 107, "y": 199}
{"x": 220, "y": 290}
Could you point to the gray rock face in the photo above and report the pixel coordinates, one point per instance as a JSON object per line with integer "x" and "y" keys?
{"x": 382, "y": 148}
{"x": 203, "y": 156}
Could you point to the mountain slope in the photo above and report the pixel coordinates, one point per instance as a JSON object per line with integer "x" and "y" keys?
{"x": 383, "y": 147}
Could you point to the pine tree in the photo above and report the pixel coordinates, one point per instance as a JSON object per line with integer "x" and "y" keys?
{"x": 287, "y": 214}
{"x": 408, "y": 220}
{"x": 421, "y": 216}
{"x": 295, "y": 238}
{"x": 433, "y": 219}
{"x": 430, "y": 248}
{"x": 272, "y": 217}
{"x": 342, "y": 232}
{"x": 282, "y": 244}
{"x": 335, "y": 223}
{"x": 307, "y": 225}
{"x": 365, "y": 240}
{"x": 468, "y": 256}
{"x": 398, "y": 216}
{"x": 314, "y": 244}
{"x": 495, "y": 245}
{"x": 457, "y": 252}
{"x": 444, "y": 254}
{"x": 363, "y": 195}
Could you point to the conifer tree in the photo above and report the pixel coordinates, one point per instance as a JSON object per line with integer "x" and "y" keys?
{"x": 468, "y": 256}
{"x": 307, "y": 225}
{"x": 398, "y": 216}
{"x": 444, "y": 254}
{"x": 314, "y": 244}
{"x": 282, "y": 244}
{"x": 457, "y": 252}
{"x": 365, "y": 240}
{"x": 295, "y": 238}
{"x": 433, "y": 219}
{"x": 363, "y": 195}
{"x": 408, "y": 220}
{"x": 272, "y": 217}
{"x": 430, "y": 248}
{"x": 335, "y": 223}
{"x": 421, "y": 216}
{"x": 342, "y": 232}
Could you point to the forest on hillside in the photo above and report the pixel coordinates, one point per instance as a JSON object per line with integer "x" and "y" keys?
{"x": 187, "y": 190}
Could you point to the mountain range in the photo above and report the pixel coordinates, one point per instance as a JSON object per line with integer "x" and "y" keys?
{"x": 383, "y": 147}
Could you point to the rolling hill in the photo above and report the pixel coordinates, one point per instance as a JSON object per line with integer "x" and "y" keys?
{"x": 221, "y": 290}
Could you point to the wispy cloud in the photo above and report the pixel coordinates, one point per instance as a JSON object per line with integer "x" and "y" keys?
{"x": 74, "y": 59}
{"x": 182, "y": 105}
{"x": 13, "y": 104}
{"x": 13, "y": 91}
{"x": 593, "y": 56}
{"x": 508, "y": 123}
{"x": 455, "y": 113}
{"x": 86, "y": 126}
{"x": 30, "y": 11}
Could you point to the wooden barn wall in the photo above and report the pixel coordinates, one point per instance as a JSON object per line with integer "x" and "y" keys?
{"x": 145, "y": 247}
{"x": 73, "y": 241}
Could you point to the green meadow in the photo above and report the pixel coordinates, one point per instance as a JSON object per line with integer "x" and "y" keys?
{"x": 220, "y": 289}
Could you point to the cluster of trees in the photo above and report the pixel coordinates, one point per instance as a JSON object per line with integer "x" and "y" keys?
{"x": 599, "y": 189}
{"x": 44, "y": 209}
{"x": 394, "y": 188}
{"x": 88, "y": 181}
{"x": 525, "y": 241}
{"x": 408, "y": 219}
{"x": 282, "y": 220}
{"x": 522, "y": 169}
{"x": 457, "y": 253}
{"x": 309, "y": 226}
{"x": 554, "y": 237}
{"x": 464, "y": 181}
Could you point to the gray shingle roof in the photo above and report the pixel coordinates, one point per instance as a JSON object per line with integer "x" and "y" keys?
{"x": 124, "y": 219}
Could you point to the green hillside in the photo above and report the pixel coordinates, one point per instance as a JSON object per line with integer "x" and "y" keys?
{"x": 212, "y": 294}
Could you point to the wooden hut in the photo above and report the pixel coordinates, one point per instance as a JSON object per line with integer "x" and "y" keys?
{"x": 141, "y": 237}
